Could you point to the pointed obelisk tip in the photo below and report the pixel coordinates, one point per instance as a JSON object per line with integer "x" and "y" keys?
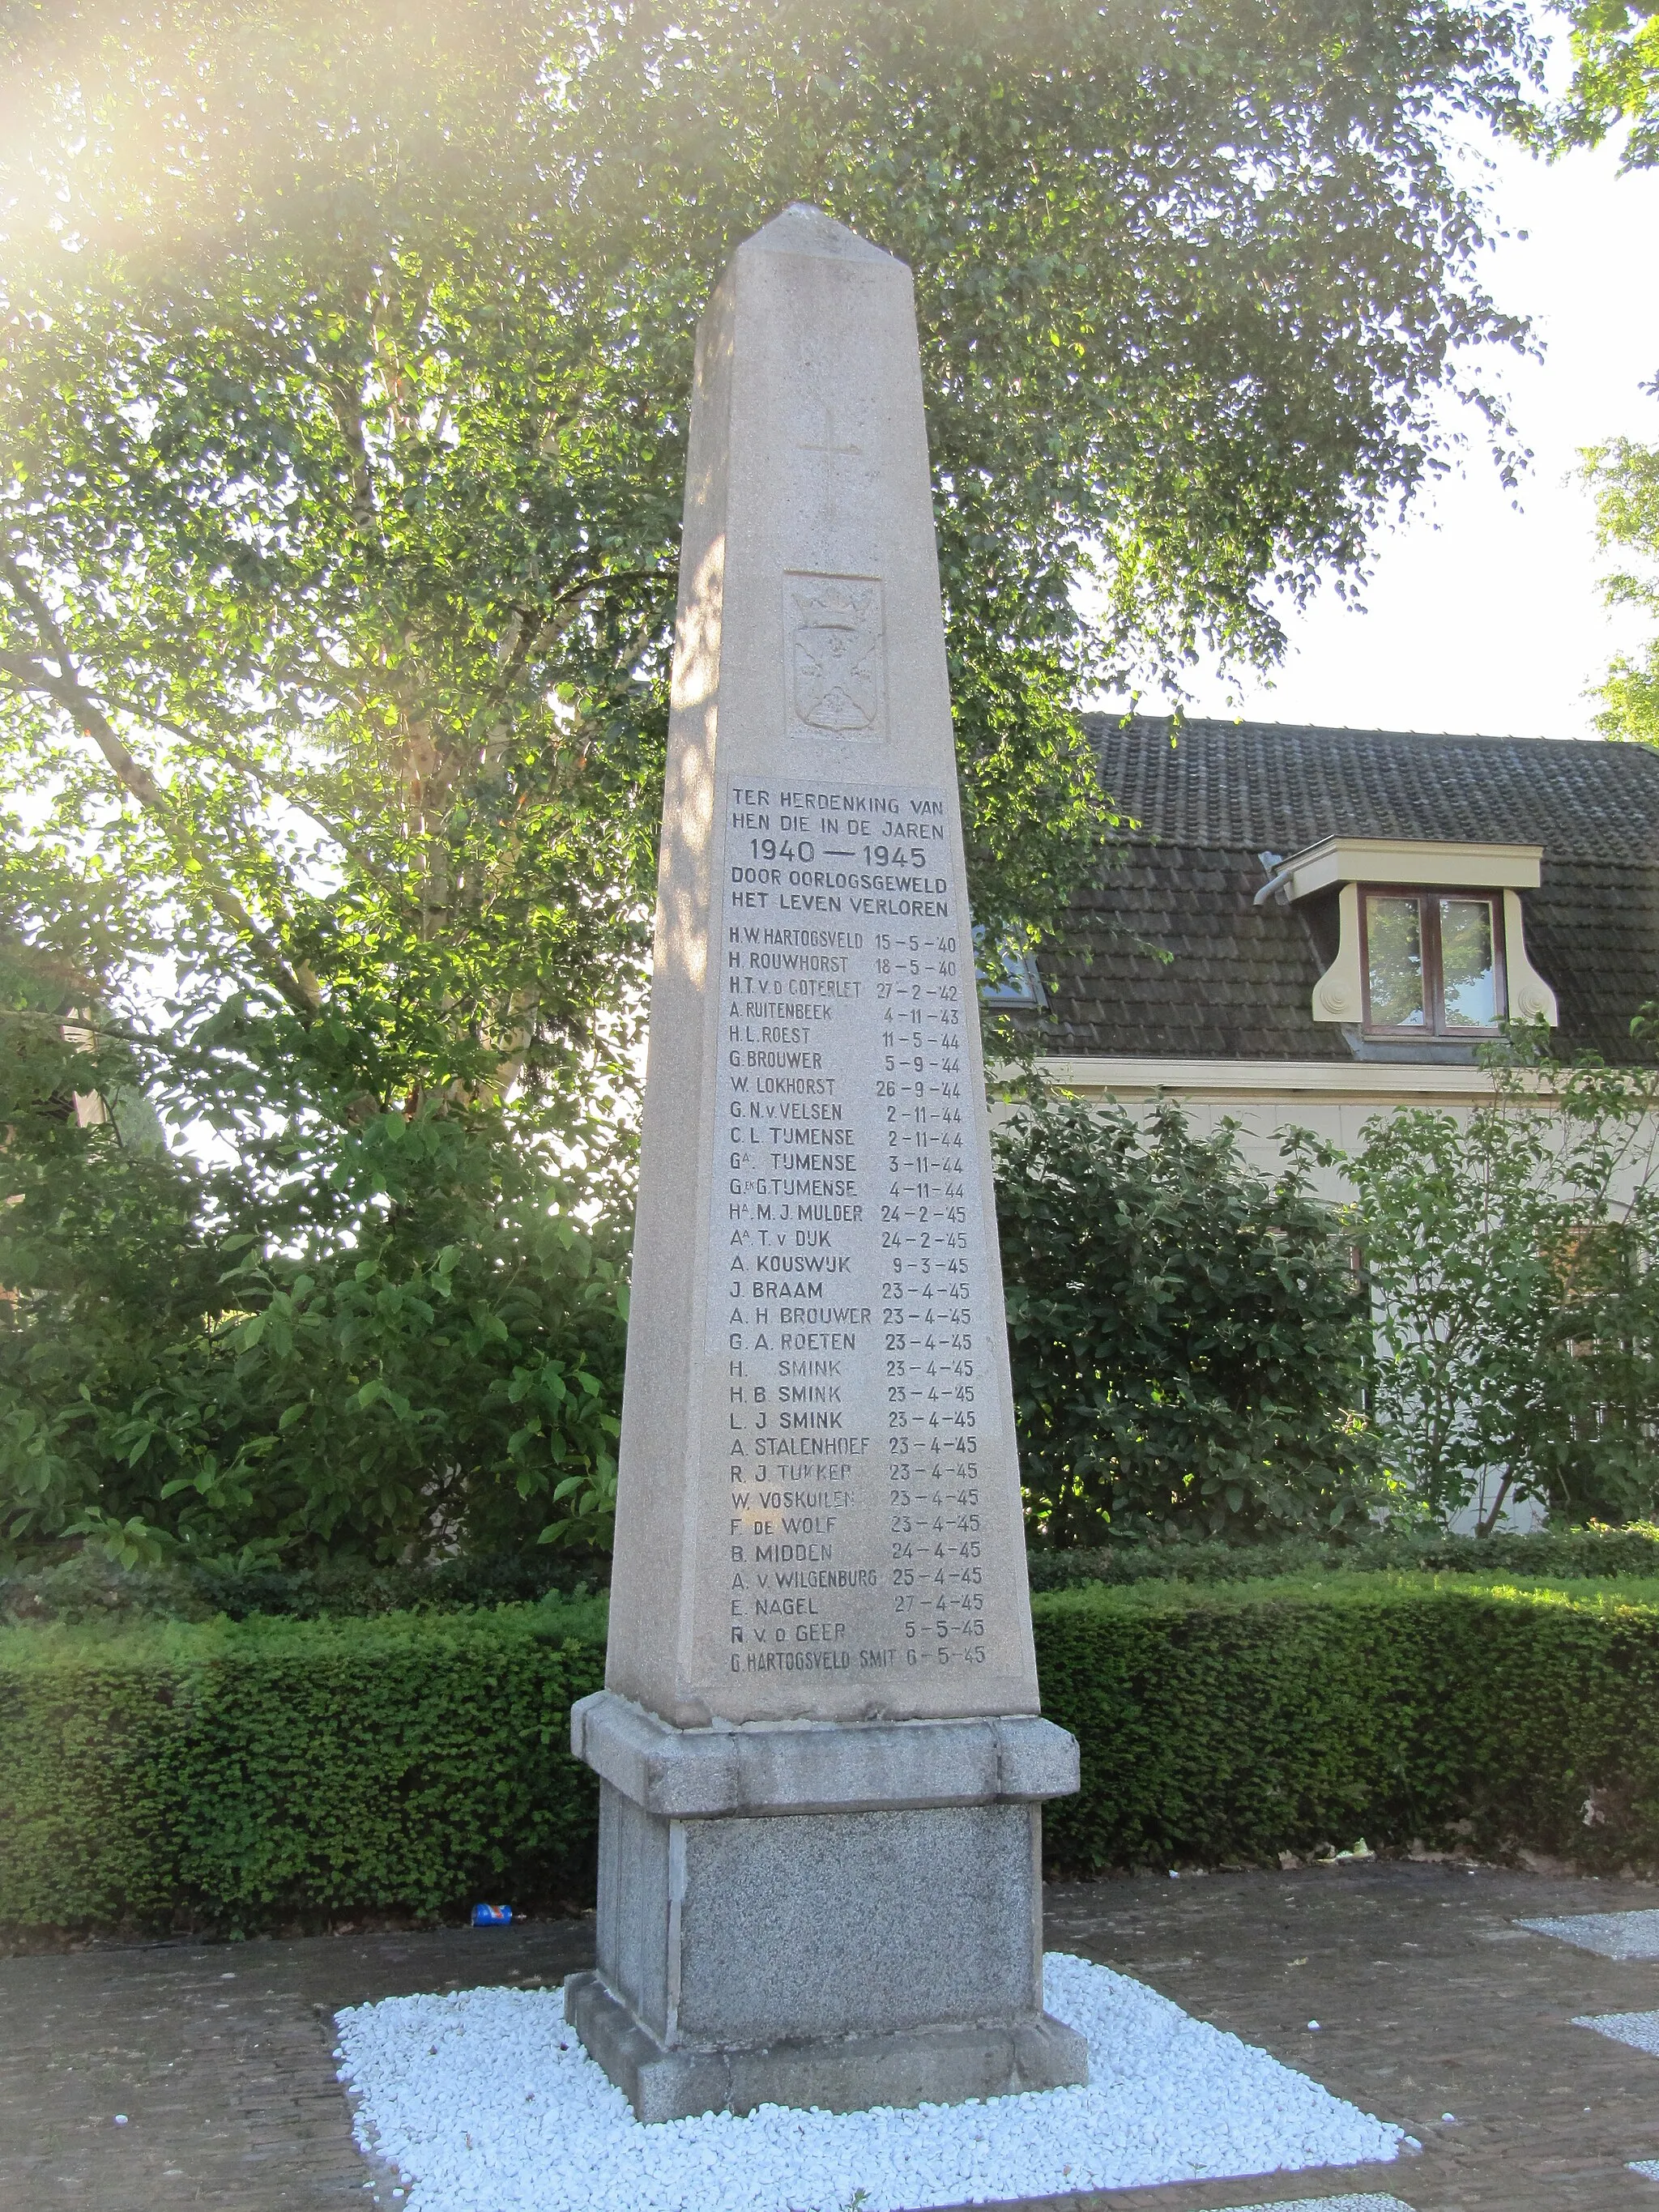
{"x": 804, "y": 229}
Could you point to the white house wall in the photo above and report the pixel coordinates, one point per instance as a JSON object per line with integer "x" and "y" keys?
{"x": 1334, "y": 1101}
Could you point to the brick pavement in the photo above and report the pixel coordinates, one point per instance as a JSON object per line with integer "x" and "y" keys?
{"x": 218, "y": 2054}
{"x": 1429, "y": 1999}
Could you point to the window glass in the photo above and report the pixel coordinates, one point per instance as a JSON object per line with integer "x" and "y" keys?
{"x": 1394, "y": 943}
{"x": 1006, "y": 972}
{"x": 1468, "y": 976}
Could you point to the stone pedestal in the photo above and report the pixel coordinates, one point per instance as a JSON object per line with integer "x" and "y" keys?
{"x": 835, "y": 1916}
{"x": 822, "y": 1764}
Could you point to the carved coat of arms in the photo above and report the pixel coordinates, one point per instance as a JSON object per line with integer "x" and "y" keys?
{"x": 835, "y": 655}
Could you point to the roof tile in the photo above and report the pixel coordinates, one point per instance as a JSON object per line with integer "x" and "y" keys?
{"x": 1238, "y": 979}
{"x": 1281, "y": 786}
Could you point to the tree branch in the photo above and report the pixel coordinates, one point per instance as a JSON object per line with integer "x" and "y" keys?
{"x": 271, "y": 781}
{"x": 346, "y": 406}
{"x": 69, "y": 693}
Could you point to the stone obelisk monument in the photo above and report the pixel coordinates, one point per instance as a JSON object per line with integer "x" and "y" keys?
{"x": 819, "y": 1747}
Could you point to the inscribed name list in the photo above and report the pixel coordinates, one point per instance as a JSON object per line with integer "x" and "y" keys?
{"x": 856, "y": 1422}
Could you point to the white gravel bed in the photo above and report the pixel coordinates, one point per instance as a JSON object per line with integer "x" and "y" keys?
{"x": 1639, "y": 2029}
{"x": 1647, "y": 2167}
{"x": 1329, "y": 2204}
{"x": 486, "y": 2102}
{"x": 1609, "y": 1935}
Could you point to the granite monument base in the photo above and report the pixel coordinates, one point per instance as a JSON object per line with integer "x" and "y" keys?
{"x": 828, "y": 1915}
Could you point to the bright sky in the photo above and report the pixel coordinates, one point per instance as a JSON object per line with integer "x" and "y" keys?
{"x": 1480, "y": 617}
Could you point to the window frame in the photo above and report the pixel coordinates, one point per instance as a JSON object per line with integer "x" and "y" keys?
{"x": 1434, "y": 994}
{"x": 1013, "y": 985}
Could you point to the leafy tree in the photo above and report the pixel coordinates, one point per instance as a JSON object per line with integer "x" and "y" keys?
{"x": 1614, "y": 86}
{"x": 1624, "y": 476}
{"x": 1514, "y": 1261}
{"x": 1189, "y": 1341}
{"x": 344, "y": 408}
{"x": 342, "y": 425}
{"x": 192, "y": 1368}
{"x": 1615, "y": 79}
{"x": 1462, "y": 1229}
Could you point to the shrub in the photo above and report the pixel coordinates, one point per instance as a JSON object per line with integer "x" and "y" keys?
{"x": 1189, "y": 1341}
{"x": 361, "y": 1335}
{"x": 1232, "y": 1722}
{"x": 88, "y": 1585}
{"x": 244, "y": 1775}
{"x": 91, "y": 1587}
{"x": 1537, "y": 1554}
{"x": 1514, "y": 1259}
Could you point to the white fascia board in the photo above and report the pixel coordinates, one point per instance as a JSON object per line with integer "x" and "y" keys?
{"x": 1410, "y": 860}
{"x": 1380, "y": 1082}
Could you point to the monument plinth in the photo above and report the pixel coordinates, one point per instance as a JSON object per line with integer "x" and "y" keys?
{"x": 821, "y": 1760}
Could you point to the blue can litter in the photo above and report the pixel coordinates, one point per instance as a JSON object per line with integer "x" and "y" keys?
{"x": 492, "y": 1916}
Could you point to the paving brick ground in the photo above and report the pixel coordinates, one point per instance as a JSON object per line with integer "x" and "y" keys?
{"x": 1430, "y": 2000}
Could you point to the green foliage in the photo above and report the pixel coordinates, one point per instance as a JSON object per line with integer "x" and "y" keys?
{"x": 344, "y": 408}
{"x": 1615, "y": 80}
{"x": 248, "y": 1775}
{"x": 1511, "y": 1256}
{"x": 1234, "y": 1723}
{"x": 1187, "y": 1340}
{"x": 345, "y": 415}
{"x": 1624, "y": 478}
{"x": 1594, "y": 1553}
{"x": 387, "y": 1340}
{"x": 252, "y": 1776}
{"x": 90, "y": 1587}
{"x": 342, "y": 418}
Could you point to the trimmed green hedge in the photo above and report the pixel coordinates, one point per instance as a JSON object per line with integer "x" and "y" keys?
{"x": 1592, "y": 1554}
{"x": 250, "y": 1775}
{"x": 1236, "y": 1720}
{"x": 86, "y": 1586}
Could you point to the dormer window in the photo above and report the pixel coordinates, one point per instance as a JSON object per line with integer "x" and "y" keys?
{"x": 1430, "y": 940}
{"x": 1433, "y": 963}
{"x": 1006, "y": 972}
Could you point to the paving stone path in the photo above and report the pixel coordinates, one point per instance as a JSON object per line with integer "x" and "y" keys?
{"x": 1430, "y": 1998}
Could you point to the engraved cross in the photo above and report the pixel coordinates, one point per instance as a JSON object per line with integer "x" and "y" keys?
{"x": 832, "y": 453}
{"x": 827, "y": 444}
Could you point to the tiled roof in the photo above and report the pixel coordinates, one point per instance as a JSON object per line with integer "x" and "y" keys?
{"x": 1239, "y": 978}
{"x": 1236, "y": 983}
{"x": 1279, "y": 785}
